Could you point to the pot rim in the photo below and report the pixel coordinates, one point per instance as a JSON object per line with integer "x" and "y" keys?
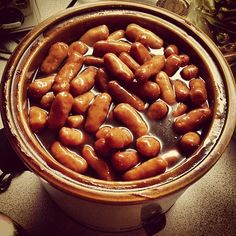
{"x": 110, "y": 196}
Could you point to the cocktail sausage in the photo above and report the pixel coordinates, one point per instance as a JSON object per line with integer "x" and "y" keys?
{"x": 71, "y": 137}
{"x": 95, "y": 34}
{"x": 40, "y": 87}
{"x": 148, "y": 146}
{"x": 192, "y": 120}
{"x": 68, "y": 158}
{"x": 131, "y": 119}
{"x": 60, "y": 110}
{"x": 119, "y": 137}
{"x": 115, "y": 47}
{"x": 150, "y": 68}
{"x": 97, "y": 112}
{"x": 37, "y": 118}
{"x": 136, "y": 33}
{"x": 100, "y": 166}
{"x": 117, "y": 68}
{"x": 120, "y": 94}
{"x": 83, "y": 82}
{"x": 150, "y": 168}
{"x": 198, "y": 92}
{"x": 167, "y": 92}
{"x": 123, "y": 161}
{"x": 82, "y": 102}
{"x": 57, "y": 53}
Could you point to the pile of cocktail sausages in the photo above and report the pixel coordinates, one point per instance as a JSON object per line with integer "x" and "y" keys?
{"x": 98, "y": 94}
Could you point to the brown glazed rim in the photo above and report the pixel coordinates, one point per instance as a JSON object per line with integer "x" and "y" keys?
{"x": 117, "y": 192}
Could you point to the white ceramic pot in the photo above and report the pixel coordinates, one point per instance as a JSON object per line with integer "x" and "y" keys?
{"x": 104, "y": 205}
{"x": 112, "y": 217}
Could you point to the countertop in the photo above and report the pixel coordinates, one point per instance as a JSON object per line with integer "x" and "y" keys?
{"x": 208, "y": 207}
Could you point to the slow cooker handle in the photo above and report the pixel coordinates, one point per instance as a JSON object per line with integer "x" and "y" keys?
{"x": 10, "y": 164}
{"x": 154, "y": 224}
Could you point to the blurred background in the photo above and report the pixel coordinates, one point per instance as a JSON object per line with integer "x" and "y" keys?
{"x": 217, "y": 18}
